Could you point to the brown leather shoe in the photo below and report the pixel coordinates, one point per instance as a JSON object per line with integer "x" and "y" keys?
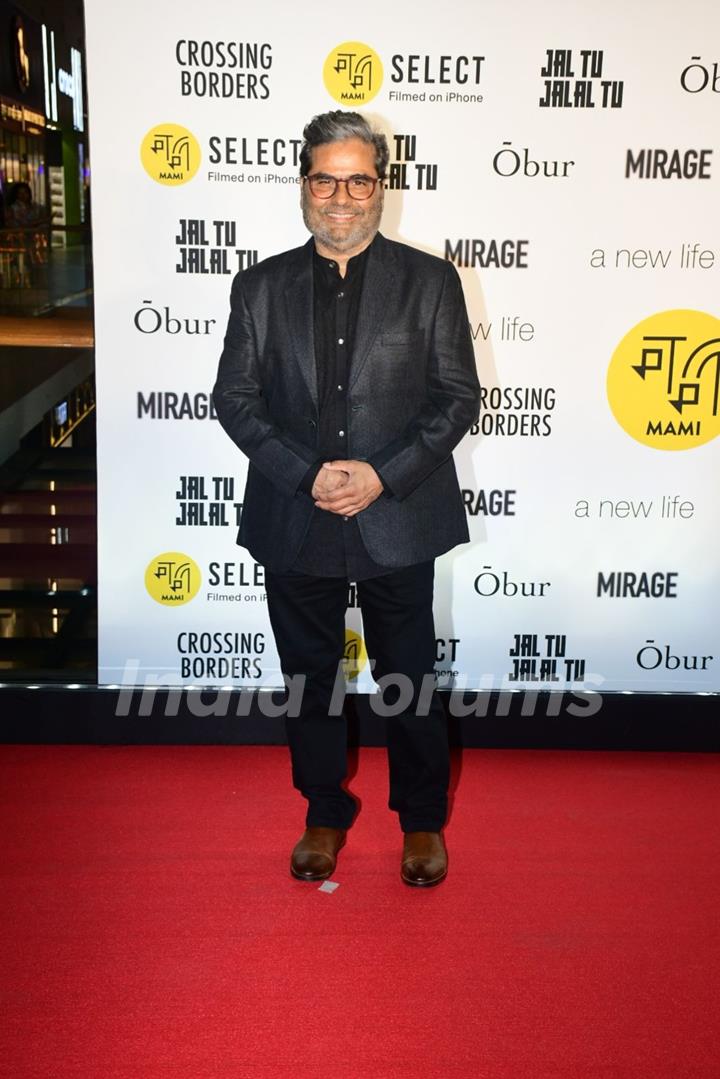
{"x": 424, "y": 859}
{"x": 315, "y": 854}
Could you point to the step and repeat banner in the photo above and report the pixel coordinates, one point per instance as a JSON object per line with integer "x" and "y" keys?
{"x": 570, "y": 168}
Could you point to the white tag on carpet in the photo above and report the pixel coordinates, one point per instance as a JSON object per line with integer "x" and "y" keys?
{"x": 329, "y": 886}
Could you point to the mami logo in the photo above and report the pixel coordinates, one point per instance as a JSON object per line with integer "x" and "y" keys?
{"x": 170, "y": 154}
{"x": 172, "y": 579}
{"x": 354, "y": 655}
{"x": 663, "y": 382}
{"x": 353, "y": 73}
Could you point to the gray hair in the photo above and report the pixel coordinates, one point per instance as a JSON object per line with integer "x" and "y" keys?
{"x": 336, "y": 126}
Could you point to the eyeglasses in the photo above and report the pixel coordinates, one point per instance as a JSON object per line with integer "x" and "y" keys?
{"x": 358, "y": 187}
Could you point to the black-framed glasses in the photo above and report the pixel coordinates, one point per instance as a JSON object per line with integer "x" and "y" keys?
{"x": 358, "y": 187}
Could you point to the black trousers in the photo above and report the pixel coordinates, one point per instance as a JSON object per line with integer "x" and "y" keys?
{"x": 308, "y": 620}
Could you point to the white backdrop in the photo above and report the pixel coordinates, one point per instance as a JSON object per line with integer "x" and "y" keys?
{"x": 594, "y": 540}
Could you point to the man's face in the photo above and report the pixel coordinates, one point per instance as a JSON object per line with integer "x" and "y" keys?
{"x": 343, "y": 224}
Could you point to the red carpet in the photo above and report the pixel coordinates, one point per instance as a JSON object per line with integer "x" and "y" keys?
{"x": 150, "y": 926}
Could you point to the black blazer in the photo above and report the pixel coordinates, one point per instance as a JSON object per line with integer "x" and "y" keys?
{"x": 412, "y": 395}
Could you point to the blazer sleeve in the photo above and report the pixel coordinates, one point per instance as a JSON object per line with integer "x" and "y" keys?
{"x": 242, "y": 409}
{"x": 452, "y": 402}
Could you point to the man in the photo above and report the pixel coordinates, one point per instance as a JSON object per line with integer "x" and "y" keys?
{"x": 347, "y": 378}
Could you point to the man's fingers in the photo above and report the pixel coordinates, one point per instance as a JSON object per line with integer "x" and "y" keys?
{"x": 330, "y": 488}
{"x": 346, "y": 509}
{"x": 334, "y": 508}
{"x": 349, "y": 506}
{"x": 343, "y": 491}
{"x": 332, "y": 481}
{"x": 346, "y": 499}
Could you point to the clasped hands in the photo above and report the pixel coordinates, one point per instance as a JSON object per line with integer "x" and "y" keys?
{"x": 346, "y": 487}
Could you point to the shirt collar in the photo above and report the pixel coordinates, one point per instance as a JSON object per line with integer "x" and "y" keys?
{"x": 354, "y": 266}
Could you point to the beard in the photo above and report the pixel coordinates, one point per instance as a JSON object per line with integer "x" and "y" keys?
{"x": 342, "y": 238}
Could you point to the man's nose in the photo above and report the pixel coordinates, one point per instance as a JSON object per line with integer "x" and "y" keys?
{"x": 341, "y": 195}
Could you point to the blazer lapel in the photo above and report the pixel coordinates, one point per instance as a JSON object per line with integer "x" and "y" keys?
{"x": 299, "y": 300}
{"x": 373, "y": 302}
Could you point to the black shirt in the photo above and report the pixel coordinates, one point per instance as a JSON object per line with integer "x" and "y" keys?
{"x": 333, "y": 546}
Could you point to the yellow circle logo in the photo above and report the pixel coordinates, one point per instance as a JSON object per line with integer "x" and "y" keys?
{"x": 663, "y": 383}
{"x": 170, "y": 154}
{"x": 173, "y": 579}
{"x": 353, "y": 73}
{"x": 354, "y": 656}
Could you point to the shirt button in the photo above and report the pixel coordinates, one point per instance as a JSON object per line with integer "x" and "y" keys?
{"x": 332, "y": 264}
{"x": 340, "y": 295}
{"x": 339, "y": 387}
{"x": 341, "y": 340}
{"x": 346, "y": 518}
{"x": 341, "y": 434}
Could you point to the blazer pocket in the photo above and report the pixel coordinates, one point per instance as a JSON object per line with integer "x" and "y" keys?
{"x": 401, "y": 338}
